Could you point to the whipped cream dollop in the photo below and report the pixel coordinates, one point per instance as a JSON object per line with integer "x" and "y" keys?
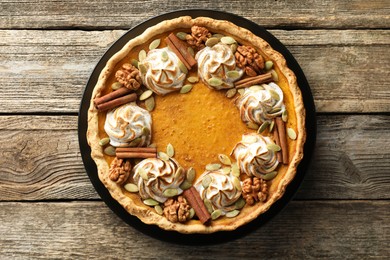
{"x": 154, "y": 176}
{"x": 261, "y": 103}
{"x": 128, "y": 125}
{"x": 160, "y": 71}
{"x": 217, "y": 62}
{"x": 253, "y": 157}
{"x": 222, "y": 192}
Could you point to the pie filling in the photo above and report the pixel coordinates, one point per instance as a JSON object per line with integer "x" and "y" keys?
{"x": 196, "y": 127}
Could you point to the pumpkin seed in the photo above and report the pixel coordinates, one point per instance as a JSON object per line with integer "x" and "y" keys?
{"x": 233, "y": 74}
{"x": 145, "y": 131}
{"x": 208, "y": 205}
{"x": 252, "y": 125}
{"x": 163, "y": 156}
{"x": 116, "y": 85}
{"x": 141, "y": 55}
{"x": 274, "y": 94}
{"x": 131, "y": 187}
{"x": 170, "y": 192}
{"x": 231, "y": 93}
{"x": 284, "y": 116}
{"x": 234, "y": 47}
{"x": 154, "y": 44}
{"x": 186, "y": 88}
{"x": 216, "y": 214}
{"x": 146, "y": 95}
{"x": 214, "y": 82}
{"x": 226, "y": 170}
{"x": 228, "y": 40}
{"x": 275, "y": 76}
{"x": 185, "y": 185}
{"x": 158, "y": 209}
{"x": 152, "y": 145}
{"x": 191, "y": 174}
{"x": 135, "y": 142}
{"x": 269, "y": 176}
{"x": 232, "y": 214}
{"x": 241, "y": 91}
{"x": 213, "y": 166}
{"x": 271, "y": 126}
{"x": 273, "y": 147}
{"x": 193, "y": 79}
{"x": 275, "y": 110}
{"x": 268, "y": 65}
{"x": 237, "y": 183}
{"x": 206, "y": 181}
{"x": 191, "y": 51}
{"x": 224, "y": 159}
{"x": 134, "y": 62}
{"x": 218, "y": 35}
{"x": 164, "y": 56}
{"x": 170, "y": 150}
{"x": 109, "y": 150}
{"x": 211, "y": 41}
{"x": 192, "y": 213}
{"x": 181, "y": 35}
{"x": 179, "y": 172}
{"x": 142, "y": 68}
{"x": 104, "y": 141}
{"x": 263, "y": 127}
{"x": 240, "y": 203}
{"x": 291, "y": 133}
{"x": 143, "y": 173}
{"x": 150, "y": 202}
{"x": 256, "y": 88}
{"x": 235, "y": 170}
{"x": 183, "y": 68}
{"x": 149, "y": 103}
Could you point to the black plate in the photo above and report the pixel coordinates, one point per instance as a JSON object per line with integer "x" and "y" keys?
{"x": 218, "y": 237}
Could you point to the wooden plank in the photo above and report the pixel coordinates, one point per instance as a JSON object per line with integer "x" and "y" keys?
{"x": 269, "y": 13}
{"x": 305, "y": 229}
{"x": 351, "y": 161}
{"x": 46, "y": 71}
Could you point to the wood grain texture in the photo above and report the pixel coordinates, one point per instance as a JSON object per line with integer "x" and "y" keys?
{"x": 41, "y": 160}
{"x": 310, "y": 229}
{"x": 46, "y": 71}
{"x": 120, "y": 14}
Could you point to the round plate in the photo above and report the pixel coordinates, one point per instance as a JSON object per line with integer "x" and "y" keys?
{"x": 194, "y": 239}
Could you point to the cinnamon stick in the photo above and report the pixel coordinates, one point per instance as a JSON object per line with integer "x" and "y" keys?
{"x": 279, "y": 155}
{"x": 197, "y": 204}
{"x": 282, "y": 138}
{"x": 116, "y": 102}
{"x": 129, "y": 155}
{"x": 137, "y": 149}
{"x": 112, "y": 95}
{"x": 177, "y": 52}
{"x": 248, "y": 82}
{"x": 182, "y": 48}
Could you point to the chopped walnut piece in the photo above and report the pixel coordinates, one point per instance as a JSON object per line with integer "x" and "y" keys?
{"x": 254, "y": 189}
{"x": 119, "y": 170}
{"x": 198, "y": 37}
{"x": 177, "y": 210}
{"x": 129, "y": 76}
{"x": 248, "y": 59}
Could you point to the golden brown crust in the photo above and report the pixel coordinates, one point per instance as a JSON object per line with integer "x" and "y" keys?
{"x": 248, "y": 213}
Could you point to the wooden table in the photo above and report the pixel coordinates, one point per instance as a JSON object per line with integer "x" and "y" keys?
{"x": 48, "y": 206}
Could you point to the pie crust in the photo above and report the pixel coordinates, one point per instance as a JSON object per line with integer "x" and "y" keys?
{"x": 294, "y": 105}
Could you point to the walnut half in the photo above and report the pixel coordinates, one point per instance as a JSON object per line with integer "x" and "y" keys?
{"x": 254, "y": 189}
{"x": 119, "y": 170}
{"x": 177, "y": 210}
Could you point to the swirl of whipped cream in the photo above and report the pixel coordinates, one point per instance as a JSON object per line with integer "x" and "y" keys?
{"x": 128, "y": 123}
{"x": 215, "y": 62}
{"x": 221, "y": 192}
{"x": 160, "y": 175}
{"x": 253, "y": 157}
{"x": 261, "y": 103}
{"x": 162, "y": 73}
